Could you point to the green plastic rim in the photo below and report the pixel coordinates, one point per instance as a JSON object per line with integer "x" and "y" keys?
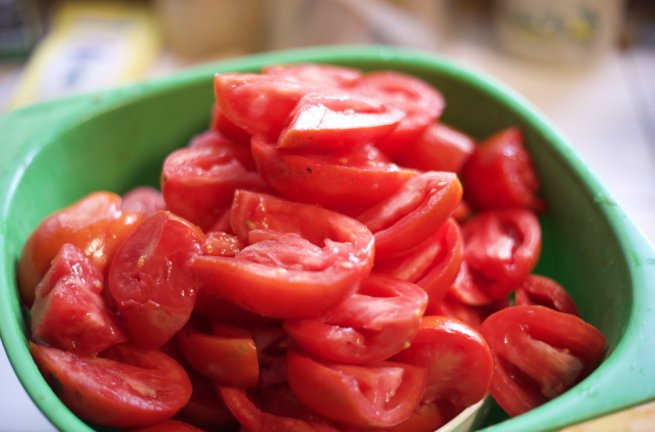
{"x": 590, "y": 245}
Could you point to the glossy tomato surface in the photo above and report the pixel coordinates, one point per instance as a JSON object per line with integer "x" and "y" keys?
{"x": 335, "y": 76}
{"x": 543, "y": 291}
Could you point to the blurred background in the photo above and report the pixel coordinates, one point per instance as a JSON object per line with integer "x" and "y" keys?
{"x": 589, "y": 65}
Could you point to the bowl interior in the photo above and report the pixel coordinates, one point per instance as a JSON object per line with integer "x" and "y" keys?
{"x": 123, "y": 141}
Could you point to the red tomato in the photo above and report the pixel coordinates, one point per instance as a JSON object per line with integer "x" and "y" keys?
{"x": 125, "y": 386}
{"x": 335, "y": 76}
{"x": 222, "y": 244}
{"x": 378, "y": 394}
{"x": 150, "y": 281}
{"x": 144, "y": 199}
{"x": 500, "y": 174}
{"x": 222, "y": 124}
{"x": 212, "y": 138}
{"x": 538, "y": 354}
{"x": 440, "y": 148}
{"x": 462, "y": 212}
{"x": 501, "y": 248}
{"x": 339, "y": 178}
{"x": 307, "y": 259}
{"x": 433, "y": 265}
{"x": 473, "y": 316}
{"x": 165, "y": 426}
{"x": 205, "y": 406}
{"x": 199, "y": 183}
{"x": 338, "y": 122}
{"x": 225, "y": 359}
{"x": 215, "y": 308}
{"x": 457, "y": 359}
{"x": 543, "y": 291}
{"x": 255, "y": 419}
{"x": 411, "y": 215}
{"x": 369, "y": 326}
{"x": 424, "y": 418}
{"x": 422, "y": 103}
{"x": 222, "y": 224}
{"x": 69, "y": 312}
{"x": 87, "y": 224}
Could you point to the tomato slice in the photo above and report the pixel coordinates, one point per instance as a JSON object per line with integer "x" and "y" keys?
{"x": 143, "y": 199}
{"x": 205, "y": 406}
{"x": 221, "y": 244}
{"x": 462, "y": 212}
{"x": 307, "y": 259}
{"x": 154, "y": 291}
{"x": 440, "y": 148}
{"x": 225, "y": 359}
{"x": 424, "y": 418}
{"x": 538, "y": 354}
{"x": 166, "y": 426}
{"x": 457, "y": 358}
{"x": 69, "y": 312}
{"x": 199, "y": 183}
{"x": 335, "y": 76}
{"x": 211, "y": 138}
{"x": 543, "y": 291}
{"x": 501, "y": 247}
{"x": 338, "y": 121}
{"x": 411, "y": 215}
{"x": 433, "y": 265}
{"x": 215, "y": 308}
{"x": 378, "y": 394}
{"x": 337, "y": 178}
{"x": 371, "y": 325}
{"x": 222, "y": 124}
{"x": 500, "y": 174}
{"x": 422, "y": 103}
{"x": 473, "y": 316}
{"x": 125, "y": 386}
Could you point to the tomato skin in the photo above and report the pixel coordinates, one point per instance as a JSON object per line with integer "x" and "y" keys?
{"x": 424, "y": 418}
{"x": 154, "y": 291}
{"x": 543, "y": 291}
{"x": 457, "y": 358}
{"x": 500, "y": 174}
{"x": 384, "y": 314}
{"x": 330, "y": 390}
{"x": 286, "y": 265}
{"x": 335, "y": 76}
{"x": 538, "y": 354}
{"x": 125, "y": 386}
{"x": 337, "y": 179}
{"x": 422, "y": 103}
{"x": 143, "y": 199}
{"x": 408, "y": 217}
{"x": 433, "y": 265}
{"x": 440, "y": 148}
{"x": 501, "y": 247}
{"x": 222, "y": 124}
{"x": 69, "y": 312}
{"x": 166, "y": 426}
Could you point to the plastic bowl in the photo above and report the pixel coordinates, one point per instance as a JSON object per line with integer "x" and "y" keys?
{"x": 57, "y": 152}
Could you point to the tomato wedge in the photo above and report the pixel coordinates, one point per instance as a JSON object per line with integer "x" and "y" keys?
{"x": 304, "y": 261}
{"x": 337, "y": 178}
{"x": 538, "y": 355}
{"x": 378, "y": 394}
{"x": 369, "y": 326}
{"x": 411, "y": 215}
{"x": 222, "y": 124}
{"x": 543, "y": 291}
{"x": 166, "y": 426}
{"x": 205, "y": 406}
{"x": 154, "y": 291}
{"x": 143, "y": 199}
{"x": 473, "y": 316}
{"x": 221, "y": 244}
{"x": 433, "y": 265}
{"x": 214, "y": 308}
{"x": 125, "y": 386}
{"x": 457, "y": 359}
{"x": 335, "y": 76}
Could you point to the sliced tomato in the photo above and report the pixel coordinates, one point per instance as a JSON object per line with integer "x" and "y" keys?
{"x": 338, "y": 122}
{"x": 143, "y": 199}
{"x": 372, "y": 325}
{"x": 414, "y": 213}
{"x": 335, "y": 76}
{"x": 205, "y": 406}
{"x": 222, "y": 124}
{"x": 149, "y": 279}
{"x": 543, "y": 291}
{"x": 472, "y": 316}
{"x": 166, "y": 426}
{"x": 225, "y": 359}
{"x": 421, "y": 102}
{"x": 69, "y": 312}
{"x": 462, "y": 212}
{"x": 538, "y": 355}
{"x": 433, "y": 265}
{"x": 255, "y": 419}
{"x": 500, "y": 174}
{"x": 199, "y": 183}
{"x": 211, "y": 138}
{"x": 305, "y": 260}
{"x": 378, "y": 394}
{"x": 440, "y": 148}
{"x": 338, "y": 178}
{"x": 87, "y": 224}
{"x": 215, "y": 308}
{"x": 457, "y": 359}
{"x": 221, "y": 244}
{"x": 501, "y": 247}
{"x": 125, "y": 386}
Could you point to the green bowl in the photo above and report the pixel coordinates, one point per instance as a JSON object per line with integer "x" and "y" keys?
{"x": 57, "y": 152}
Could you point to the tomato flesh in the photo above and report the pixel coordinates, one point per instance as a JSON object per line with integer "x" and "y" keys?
{"x": 222, "y": 124}
{"x": 144, "y": 199}
{"x": 543, "y": 291}
{"x": 335, "y": 76}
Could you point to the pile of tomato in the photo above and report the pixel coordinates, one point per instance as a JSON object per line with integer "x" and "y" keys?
{"x": 309, "y": 265}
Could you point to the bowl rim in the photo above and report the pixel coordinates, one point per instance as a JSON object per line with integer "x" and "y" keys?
{"x": 607, "y": 386}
